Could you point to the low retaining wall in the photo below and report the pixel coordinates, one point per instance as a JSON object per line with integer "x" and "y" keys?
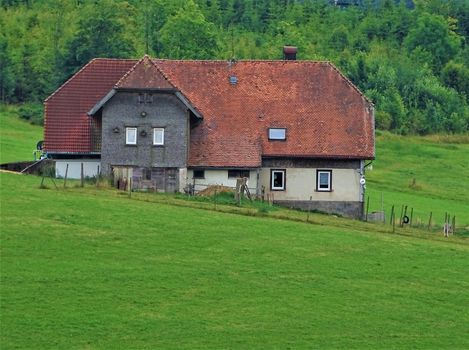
{"x": 32, "y": 167}
{"x": 347, "y": 209}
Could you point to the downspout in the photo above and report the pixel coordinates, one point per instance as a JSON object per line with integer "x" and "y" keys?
{"x": 362, "y": 170}
{"x": 258, "y": 190}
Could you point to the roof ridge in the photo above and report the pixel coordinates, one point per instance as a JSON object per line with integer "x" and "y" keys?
{"x": 115, "y": 59}
{"x": 245, "y": 60}
{"x": 82, "y": 69}
{"x": 136, "y": 65}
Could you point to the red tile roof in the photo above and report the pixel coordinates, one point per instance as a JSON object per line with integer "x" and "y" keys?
{"x": 67, "y": 125}
{"x": 325, "y": 115}
{"x": 145, "y": 74}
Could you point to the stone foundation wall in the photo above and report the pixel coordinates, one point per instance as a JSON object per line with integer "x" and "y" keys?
{"x": 347, "y": 209}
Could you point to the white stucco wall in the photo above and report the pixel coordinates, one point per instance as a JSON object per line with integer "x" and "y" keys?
{"x": 220, "y": 177}
{"x": 182, "y": 179}
{"x": 90, "y": 167}
{"x": 301, "y": 185}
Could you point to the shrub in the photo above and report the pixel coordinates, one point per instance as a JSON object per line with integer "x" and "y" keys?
{"x": 32, "y": 112}
{"x": 383, "y": 120}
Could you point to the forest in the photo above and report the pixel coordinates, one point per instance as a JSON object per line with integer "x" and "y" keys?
{"x": 411, "y": 58}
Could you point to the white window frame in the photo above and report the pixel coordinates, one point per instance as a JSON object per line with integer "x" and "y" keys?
{"x": 318, "y": 180}
{"x": 284, "y": 175}
{"x": 155, "y": 130}
{"x": 272, "y": 137}
{"x": 127, "y": 138}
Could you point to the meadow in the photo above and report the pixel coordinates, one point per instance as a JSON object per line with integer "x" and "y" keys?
{"x": 92, "y": 268}
{"x": 429, "y": 174}
{"x": 18, "y": 139}
{"x": 96, "y": 268}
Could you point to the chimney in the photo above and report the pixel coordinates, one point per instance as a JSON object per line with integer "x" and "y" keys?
{"x": 289, "y": 53}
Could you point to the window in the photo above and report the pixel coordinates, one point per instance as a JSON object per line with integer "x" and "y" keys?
{"x": 277, "y": 134}
{"x": 235, "y": 173}
{"x": 158, "y": 136}
{"x": 324, "y": 180}
{"x": 277, "y": 180}
{"x": 199, "y": 174}
{"x": 130, "y": 136}
{"x": 141, "y": 98}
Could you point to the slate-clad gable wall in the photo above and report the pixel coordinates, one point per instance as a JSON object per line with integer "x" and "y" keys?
{"x": 165, "y": 111}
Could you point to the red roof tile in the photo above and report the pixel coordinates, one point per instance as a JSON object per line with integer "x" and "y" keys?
{"x": 144, "y": 75}
{"x": 324, "y": 113}
{"x": 67, "y": 125}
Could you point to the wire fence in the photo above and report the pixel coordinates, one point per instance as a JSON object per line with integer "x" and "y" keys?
{"x": 407, "y": 215}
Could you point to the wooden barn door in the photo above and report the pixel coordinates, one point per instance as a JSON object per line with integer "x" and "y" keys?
{"x": 171, "y": 180}
{"x": 158, "y": 176}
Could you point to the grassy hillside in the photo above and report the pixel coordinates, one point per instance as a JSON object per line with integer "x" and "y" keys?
{"x": 18, "y": 139}
{"x": 439, "y": 165}
{"x": 429, "y": 174}
{"x": 93, "y": 269}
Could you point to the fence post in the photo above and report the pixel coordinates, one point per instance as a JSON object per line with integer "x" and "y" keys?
{"x": 411, "y": 216}
{"x": 392, "y": 215}
{"x": 400, "y": 217}
{"x": 65, "y": 178}
{"x": 403, "y": 216}
{"x": 430, "y": 221}
{"x": 82, "y": 176}
{"x": 215, "y": 200}
{"x": 367, "y": 207}
{"x": 97, "y": 177}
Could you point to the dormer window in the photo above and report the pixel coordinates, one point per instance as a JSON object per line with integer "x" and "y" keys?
{"x": 277, "y": 134}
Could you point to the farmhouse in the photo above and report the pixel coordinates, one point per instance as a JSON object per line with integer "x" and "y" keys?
{"x": 300, "y": 131}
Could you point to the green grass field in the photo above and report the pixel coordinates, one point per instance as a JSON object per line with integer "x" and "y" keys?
{"x": 18, "y": 139}
{"x": 439, "y": 166}
{"x": 87, "y": 268}
{"x": 91, "y": 268}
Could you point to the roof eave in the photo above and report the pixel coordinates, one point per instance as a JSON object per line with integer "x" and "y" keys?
{"x": 156, "y": 90}
{"x": 101, "y": 102}
{"x": 186, "y": 103}
{"x": 111, "y": 93}
{"x": 320, "y": 156}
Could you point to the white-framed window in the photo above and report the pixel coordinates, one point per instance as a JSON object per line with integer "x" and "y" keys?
{"x": 158, "y": 136}
{"x": 277, "y": 134}
{"x": 130, "y": 136}
{"x": 277, "y": 179}
{"x": 324, "y": 180}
